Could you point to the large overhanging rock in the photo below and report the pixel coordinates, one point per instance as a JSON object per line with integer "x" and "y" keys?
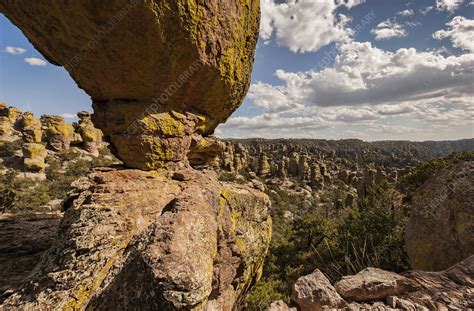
{"x": 187, "y": 56}
{"x": 159, "y": 240}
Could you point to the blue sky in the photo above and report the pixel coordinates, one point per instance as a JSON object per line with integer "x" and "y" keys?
{"x": 407, "y": 73}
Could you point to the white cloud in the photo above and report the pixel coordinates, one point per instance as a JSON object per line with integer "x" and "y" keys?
{"x": 394, "y": 109}
{"x": 69, "y": 116}
{"x": 448, "y": 5}
{"x": 406, "y": 13}
{"x": 426, "y": 10}
{"x": 388, "y": 29}
{"x": 369, "y": 93}
{"x": 14, "y": 50}
{"x": 460, "y": 31}
{"x": 305, "y": 25}
{"x": 33, "y": 61}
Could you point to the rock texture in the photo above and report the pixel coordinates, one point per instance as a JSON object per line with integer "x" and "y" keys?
{"x": 90, "y": 137}
{"x": 31, "y": 128}
{"x": 190, "y": 57}
{"x": 34, "y": 156}
{"x": 279, "y": 305}
{"x": 163, "y": 240}
{"x": 373, "y": 284}
{"x": 50, "y": 133}
{"x": 440, "y": 230}
{"x": 8, "y": 121}
{"x": 314, "y": 291}
{"x": 57, "y": 132}
{"x": 375, "y": 289}
{"x": 23, "y": 240}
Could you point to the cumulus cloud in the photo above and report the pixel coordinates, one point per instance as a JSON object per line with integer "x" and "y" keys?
{"x": 33, "y": 61}
{"x": 460, "y": 31}
{"x": 363, "y": 74}
{"x": 388, "y": 29}
{"x": 14, "y": 50}
{"x": 448, "y": 5}
{"x": 366, "y": 88}
{"x": 305, "y": 25}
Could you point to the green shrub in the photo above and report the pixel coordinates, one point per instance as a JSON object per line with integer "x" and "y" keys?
{"x": 343, "y": 243}
{"x": 264, "y": 293}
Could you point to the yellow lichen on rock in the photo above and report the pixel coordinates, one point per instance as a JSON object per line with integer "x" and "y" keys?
{"x": 30, "y": 128}
{"x": 33, "y": 156}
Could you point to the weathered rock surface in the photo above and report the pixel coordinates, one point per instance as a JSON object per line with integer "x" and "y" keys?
{"x": 189, "y": 57}
{"x": 152, "y": 141}
{"x": 90, "y": 137}
{"x": 30, "y": 128}
{"x": 375, "y": 289}
{"x": 34, "y": 156}
{"x": 8, "y": 119}
{"x": 146, "y": 240}
{"x": 23, "y": 240}
{"x": 313, "y": 292}
{"x": 373, "y": 284}
{"x": 57, "y": 132}
{"x": 279, "y": 305}
{"x": 440, "y": 230}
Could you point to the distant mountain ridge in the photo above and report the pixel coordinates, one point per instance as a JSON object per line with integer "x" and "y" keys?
{"x": 353, "y": 147}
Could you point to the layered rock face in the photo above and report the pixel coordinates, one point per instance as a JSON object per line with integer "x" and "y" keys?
{"x": 23, "y": 240}
{"x": 148, "y": 58}
{"x": 440, "y": 230}
{"x": 152, "y": 240}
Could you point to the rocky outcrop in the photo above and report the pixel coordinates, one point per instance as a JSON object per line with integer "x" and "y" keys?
{"x": 162, "y": 75}
{"x": 314, "y": 291}
{"x": 8, "y": 120}
{"x": 190, "y": 57}
{"x": 163, "y": 240}
{"x": 57, "y": 133}
{"x": 34, "y": 156}
{"x": 30, "y": 128}
{"x": 90, "y": 137}
{"x": 440, "y": 230}
{"x": 375, "y": 289}
{"x": 51, "y": 131}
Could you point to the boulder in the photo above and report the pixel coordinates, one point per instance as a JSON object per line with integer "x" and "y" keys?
{"x": 314, "y": 292}
{"x": 30, "y": 128}
{"x": 57, "y": 132}
{"x": 440, "y": 230}
{"x": 34, "y": 156}
{"x": 132, "y": 239}
{"x": 189, "y": 57}
{"x": 373, "y": 284}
